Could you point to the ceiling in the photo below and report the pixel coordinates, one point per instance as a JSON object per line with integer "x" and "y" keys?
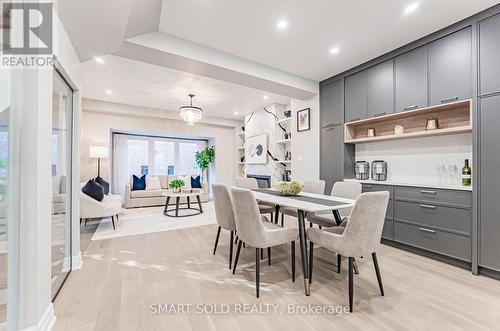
{"x": 361, "y": 29}
{"x": 142, "y": 84}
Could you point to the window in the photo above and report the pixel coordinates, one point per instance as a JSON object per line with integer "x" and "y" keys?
{"x": 187, "y": 162}
{"x": 138, "y": 156}
{"x": 164, "y": 162}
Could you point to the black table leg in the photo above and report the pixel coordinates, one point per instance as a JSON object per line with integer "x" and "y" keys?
{"x": 303, "y": 250}
{"x": 199, "y": 203}
{"x": 177, "y": 206}
{"x": 277, "y": 214}
{"x": 336, "y": 215}
{"x": 166, "y": 205}
{"x": 189, "y": 202}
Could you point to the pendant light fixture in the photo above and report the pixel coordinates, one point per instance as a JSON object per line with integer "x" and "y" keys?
{"x": 190, "y": 114}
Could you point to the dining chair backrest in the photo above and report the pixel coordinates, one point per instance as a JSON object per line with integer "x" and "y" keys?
{"x": 248, "y": 183}
{"x": 223, "y": 207}
{"x": 347, "y": 190}
{"x": 363, "y": 232}
{"x": 247, "y": 216}
{"x": 314, "y": 186}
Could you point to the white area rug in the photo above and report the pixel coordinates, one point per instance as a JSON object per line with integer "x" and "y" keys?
{"x": 137, "y": 221}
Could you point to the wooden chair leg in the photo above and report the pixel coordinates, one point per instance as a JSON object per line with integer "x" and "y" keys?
{"x": 355, "y": 266}
{"x": 237, "y": 256}
{"x": 217, "y": 239}
{"x": 257, "y": 270}
{"x": 293, "y": 260}
{"x": 351, "y": 283}
{"x": 377, "y": 271}
{"x": 311, "y": 254}
{"x": 231, "y": 249}
{"x": 339, "y": 262}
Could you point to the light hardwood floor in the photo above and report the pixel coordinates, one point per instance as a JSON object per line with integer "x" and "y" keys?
{"x": 121, "y": 278}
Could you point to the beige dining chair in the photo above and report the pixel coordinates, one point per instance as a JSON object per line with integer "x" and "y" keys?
{"x": 310, "y": 186}
{"x": 360, "y": 237}
{"x": 258, "y": 234}
{"x": 224, "y": 215}
{"x": 251, "y": 184}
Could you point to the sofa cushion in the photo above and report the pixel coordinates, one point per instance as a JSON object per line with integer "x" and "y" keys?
{"x": 103, "y": 183}
{"x": 146, "y": 193}
{"x": 138, "y": 183}
{"x": 196, "y": 182}
{"x": 187, "y": 181}
{"x": 93, "y": 190}
{"x": 152, "y": 183}
{"x": 163, "y": 181}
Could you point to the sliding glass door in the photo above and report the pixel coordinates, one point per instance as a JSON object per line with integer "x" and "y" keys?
{"x": 62, "y": 132}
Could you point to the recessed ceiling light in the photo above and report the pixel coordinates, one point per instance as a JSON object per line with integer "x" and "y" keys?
{"x": 99, "y": 60}
{"x": 109, "y": 92}
{"x": 411, "y": 8}
{"x": 266, "y": 97}
{"x": 334, "y": 50}
{"x": 236, "y": 113}
{"x": 282, "y": 25}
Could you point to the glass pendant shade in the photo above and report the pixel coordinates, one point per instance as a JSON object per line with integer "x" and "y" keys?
{"x": 190, "y": 114}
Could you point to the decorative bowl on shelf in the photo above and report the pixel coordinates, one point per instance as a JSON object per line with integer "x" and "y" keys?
{"x": 289, "y": 189}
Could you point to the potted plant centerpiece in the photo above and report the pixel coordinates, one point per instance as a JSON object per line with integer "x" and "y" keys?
{"x": 176, "y": 185}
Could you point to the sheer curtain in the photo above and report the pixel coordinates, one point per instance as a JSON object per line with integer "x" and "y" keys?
{"x": 120, "y": 164}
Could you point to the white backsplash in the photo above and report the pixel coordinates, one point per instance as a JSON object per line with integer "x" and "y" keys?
{"x": 417, "y": 160}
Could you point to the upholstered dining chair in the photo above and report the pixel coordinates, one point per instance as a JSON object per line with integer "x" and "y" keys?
{"x": 258, "y": 234}
{"x": 224, "y": 214}
{"x": 360, "y": 237}
{"x": 310, "y": 186}
{"x": 251, "y": 184}
{"x": 348, "y": 190}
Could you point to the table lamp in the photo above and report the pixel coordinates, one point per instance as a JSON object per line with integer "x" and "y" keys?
{"x": 98, "y": 152}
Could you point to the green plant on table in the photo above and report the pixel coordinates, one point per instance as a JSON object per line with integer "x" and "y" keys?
{"x": 176, "y": 184}
{"x": 289, "y": 189}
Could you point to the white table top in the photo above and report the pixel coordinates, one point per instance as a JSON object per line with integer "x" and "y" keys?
{"x": 170, "y": 193}
{"x": 307, "y": 206}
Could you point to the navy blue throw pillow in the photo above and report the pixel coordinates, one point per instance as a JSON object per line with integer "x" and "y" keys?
{"x": 103, "y": 183}
{"x": 93, "y": 190}
{"x": 139, "y": 184}
{"x": 196, "y": 182}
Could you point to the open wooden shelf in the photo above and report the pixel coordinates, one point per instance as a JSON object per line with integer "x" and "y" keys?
{"x": 284, "y": 141}
{"x": 453, "y": 118}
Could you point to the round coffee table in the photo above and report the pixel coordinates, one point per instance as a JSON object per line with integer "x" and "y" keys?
{"x": 188, "y": 195}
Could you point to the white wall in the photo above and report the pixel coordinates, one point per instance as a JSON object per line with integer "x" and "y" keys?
{"x": 99, "y": 118}
{"x": 305, "y": 145}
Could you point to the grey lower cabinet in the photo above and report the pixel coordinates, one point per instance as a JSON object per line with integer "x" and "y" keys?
{"x": 330, "y": 99}
{"x": 489, "y": 55}
{"x": 434, "y": 220}
{"x": 356, "y": 97}
{"x": 380, "y": 89}
{"x": 450, "y": 68}
{"x": 410, "y": 84}
{"x": 489, "y": 183}
{"x": 331, "y": 152}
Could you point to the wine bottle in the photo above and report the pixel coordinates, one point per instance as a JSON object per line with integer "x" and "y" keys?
{"x": 466, "y": 174}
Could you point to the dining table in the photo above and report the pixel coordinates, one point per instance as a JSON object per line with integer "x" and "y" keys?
{"x": 304, "y": 203}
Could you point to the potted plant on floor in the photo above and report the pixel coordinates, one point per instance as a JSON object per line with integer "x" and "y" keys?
{"x": 176, "y": 185}
{"x": 204, "y": 158}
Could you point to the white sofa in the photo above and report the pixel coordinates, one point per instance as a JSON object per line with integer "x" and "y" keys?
{"x": 110, "y": 206}
{"x": 148, "y": 198}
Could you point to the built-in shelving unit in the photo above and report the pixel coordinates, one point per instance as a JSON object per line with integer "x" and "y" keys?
{"x": 453, "y": 118}
{"x": 284, "y": 141}
{"x": 240, "y": 148}
{"x": 283, "y": 161}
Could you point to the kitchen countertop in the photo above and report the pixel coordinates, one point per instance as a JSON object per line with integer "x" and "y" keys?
{"x": 388, "y": 182}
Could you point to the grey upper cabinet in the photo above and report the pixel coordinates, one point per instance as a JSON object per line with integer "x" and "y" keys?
{"x": 489, "y": 227}
{"x": 380, "y": 86}
{"x": 356, "y": 97}
{"x": 450, "y": 68}
{"x": 330, "y": 97}
{"x": 411, "y": 80}
{"x": 489, "y": 55}
{"x": 331, "y": 150}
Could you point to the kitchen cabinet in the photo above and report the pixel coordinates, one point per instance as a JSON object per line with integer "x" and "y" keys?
{"x": 388, "y": 230}
{"x": 356, "y": 97}
{"x": 489, "y": 55}
{"x": 450, "y": 68}
{"x": 331, "y": 152}
{"x": 489, "y": 226}
{"x": 411, "y": 80}
{"x": 330, "y": 98}
{"x": 380, "y": 89}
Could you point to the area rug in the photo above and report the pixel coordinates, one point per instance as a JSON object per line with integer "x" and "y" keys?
{"x": 138, "y": 221}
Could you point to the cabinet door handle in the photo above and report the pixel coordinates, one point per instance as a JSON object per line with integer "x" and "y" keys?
{"x": 355, "y": 119}
{"x": 428, "y": 206}
{"x": 428, "y": 191}
{"x": 367, "y": 186}
{"x": 427, "y": 230}
{"x": 449, "y": 100}
{"x": 330, "y": 124}
{"x": 411, "y": 107}
{"x": 379, "y": 114}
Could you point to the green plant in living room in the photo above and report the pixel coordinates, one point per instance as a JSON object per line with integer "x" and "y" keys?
{"x": 176, "y": 185}
{"x": 204, "y": 158}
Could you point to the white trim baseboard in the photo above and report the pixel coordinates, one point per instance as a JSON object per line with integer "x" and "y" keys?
{"x": 46, "y": 322}
{"x": 77, "y": 262}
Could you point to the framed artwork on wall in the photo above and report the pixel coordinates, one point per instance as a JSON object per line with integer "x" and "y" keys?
{"x": 303, "y": 120}
{"x": 256, "y": 149}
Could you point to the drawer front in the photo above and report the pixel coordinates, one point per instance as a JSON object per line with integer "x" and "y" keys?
{"x": 455, "y": 197}
{"x": 377, "y": 187}
{"x": 442, "y": 242}
{"x": 388, "y": 231}
{"x": 438, "y": 216}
